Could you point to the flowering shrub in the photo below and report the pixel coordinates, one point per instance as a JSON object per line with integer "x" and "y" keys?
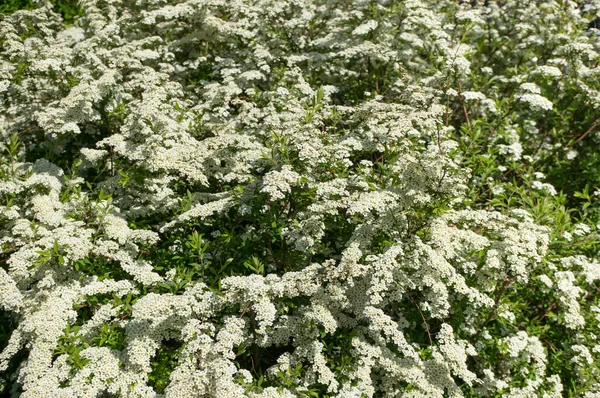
{"x": 300, "y": 198}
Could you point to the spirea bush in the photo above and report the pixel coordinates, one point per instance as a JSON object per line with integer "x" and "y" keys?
{"x": 300, "y": 198}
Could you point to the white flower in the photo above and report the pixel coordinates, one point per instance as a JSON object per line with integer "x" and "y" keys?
{"x": 278, "y": 183}
{"x": 545, "y": 280}
{"x": 513, "y": 151}
{"x": 192, "y": 116}
{"x": 536, "y": 101}
{"x": 473, "y": 95}
{"x": 571, "y": 154}
{"x": 581, "y": 229}
{"x": 498, "y": 189}
{"x": 550, "y": 71}
{"x": 583, "y": 357}
{"x": 365, "y": 28}
{"x": 530, "y": 88}
{"x": 549, "y": 188}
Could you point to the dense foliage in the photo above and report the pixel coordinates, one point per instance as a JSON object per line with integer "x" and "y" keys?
{"x": 300, "y": 198}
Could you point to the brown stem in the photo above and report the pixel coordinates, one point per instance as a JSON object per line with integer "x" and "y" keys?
{"x": 505, "y": 285}
{"x": 464, "y": 106}
{"x": 592, "y": 127}
{"x": 255, "y": 354}
{"x": 424, "y": 321}
{"x": 447, "y": 110}
{"x": 550, "y": 307}
{"x": 244, "y": 312}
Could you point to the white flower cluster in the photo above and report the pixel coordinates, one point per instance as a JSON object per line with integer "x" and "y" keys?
{"x": 313, "y": 144}
{"x": 279, "y": 183}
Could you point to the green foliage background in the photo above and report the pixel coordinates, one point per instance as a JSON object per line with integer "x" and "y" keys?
{"x": 68, "y": 9}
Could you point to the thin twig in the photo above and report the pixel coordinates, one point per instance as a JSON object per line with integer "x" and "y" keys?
{"x": 244, "y": 312}
{"x": 447, "y": 110}
{"x": 550, "y": 308}
{"x": 505, "y": 285}
{"x": 464, "y": 106}
{"x": 593, "y": 126}
{"x": 424, "y": 321}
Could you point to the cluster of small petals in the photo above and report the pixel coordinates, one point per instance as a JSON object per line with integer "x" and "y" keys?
{"x": 354, "y": 194}
{"x": 278, "y": 183}
{"x": 568, "y": 293}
